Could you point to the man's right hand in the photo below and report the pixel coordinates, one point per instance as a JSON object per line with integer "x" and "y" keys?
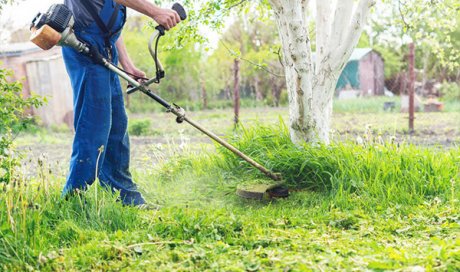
{"x": 166, "y": 17}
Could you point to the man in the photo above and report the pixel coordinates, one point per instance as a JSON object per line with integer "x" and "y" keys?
{"x": 100, "y": 121}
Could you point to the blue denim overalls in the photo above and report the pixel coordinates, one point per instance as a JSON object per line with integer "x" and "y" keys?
{"x": 99, "y": 116}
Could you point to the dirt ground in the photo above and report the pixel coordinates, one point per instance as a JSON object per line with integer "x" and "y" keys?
{"x": 54, "y": 149}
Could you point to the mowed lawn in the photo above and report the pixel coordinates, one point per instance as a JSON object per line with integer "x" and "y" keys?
{"x": 370, "y": 214}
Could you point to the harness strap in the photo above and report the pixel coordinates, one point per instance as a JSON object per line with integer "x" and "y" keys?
{"x": 89, "y": 5}
{"x": 112, "y": 20}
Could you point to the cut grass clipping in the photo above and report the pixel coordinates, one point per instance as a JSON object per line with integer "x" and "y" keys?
{"x": 358, "y": 207}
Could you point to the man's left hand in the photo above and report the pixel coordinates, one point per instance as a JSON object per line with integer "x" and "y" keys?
{"x": 135, "y": 73}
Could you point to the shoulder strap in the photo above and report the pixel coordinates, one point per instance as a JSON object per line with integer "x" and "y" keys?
{"x": 113, "y": 18}
{"x": 89, "y": 5}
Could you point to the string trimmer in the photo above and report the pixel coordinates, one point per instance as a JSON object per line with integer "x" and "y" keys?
{"x": 55, "y": 27}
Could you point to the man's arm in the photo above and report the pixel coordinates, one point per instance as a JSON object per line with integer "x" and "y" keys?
{"x": 165, "y": 17}
{"x": 125, "y": 60}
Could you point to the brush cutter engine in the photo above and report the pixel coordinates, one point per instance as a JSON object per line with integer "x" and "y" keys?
{"x": 55, "y": 27}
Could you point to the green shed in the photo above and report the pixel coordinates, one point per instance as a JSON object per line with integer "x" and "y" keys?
{"x": 364, "y": 72}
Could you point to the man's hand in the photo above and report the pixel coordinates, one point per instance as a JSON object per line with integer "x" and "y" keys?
{"x": 166, "y": 17}
{"x": 135, "y": 73}
{"x": 126, "y": 61}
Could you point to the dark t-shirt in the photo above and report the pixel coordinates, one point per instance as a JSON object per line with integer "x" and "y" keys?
{"x": 82, "y": 16}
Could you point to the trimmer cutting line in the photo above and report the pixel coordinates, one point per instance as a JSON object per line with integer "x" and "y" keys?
{"x": 55, "y": 27}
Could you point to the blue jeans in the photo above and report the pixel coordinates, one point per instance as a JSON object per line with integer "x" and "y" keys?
{"x": 100, "y": 120}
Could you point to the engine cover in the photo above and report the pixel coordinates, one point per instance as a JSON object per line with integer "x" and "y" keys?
{"x": 57, "y": 17}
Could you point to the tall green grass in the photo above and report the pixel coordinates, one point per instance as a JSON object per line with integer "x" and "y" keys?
{"x": 372, "y": 104}
{"x": 376, "y": 203}
{"x": 35, "y": 219}
{"x": 375, "y": 104}
{"x": 378, "y": 170}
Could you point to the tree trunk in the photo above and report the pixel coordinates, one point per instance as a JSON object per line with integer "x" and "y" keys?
{"x": 259, "y": 95}
{"x": 204, "y": 95}
{"x": 227, "y": 92}
{"x": 311, "y": 86}
{"x": 236, "y": 90}
{"x": 276, "y": 91}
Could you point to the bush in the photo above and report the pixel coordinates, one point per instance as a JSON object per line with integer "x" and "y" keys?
{"x": 12, "y": 118}
{"x": 140, "y": 127}
{"x": 450, "y": 91}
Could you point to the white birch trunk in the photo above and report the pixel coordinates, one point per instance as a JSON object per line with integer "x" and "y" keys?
{"x": 311, "y": 85}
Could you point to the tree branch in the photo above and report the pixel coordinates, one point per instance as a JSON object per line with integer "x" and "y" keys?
{"x": 323, "y": 32}
{"x": 236, "y": 4}
{"x": 304, "y": 5}
{"x": 359, "y": 18}
{"x": 342, "y": 17}
{"x": 249, "y": 61}
{"x": 408, "y": 26}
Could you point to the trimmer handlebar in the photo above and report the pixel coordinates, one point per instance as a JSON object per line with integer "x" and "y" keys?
{"x": 153, "y": 47}
{"x": 180, "y": 11}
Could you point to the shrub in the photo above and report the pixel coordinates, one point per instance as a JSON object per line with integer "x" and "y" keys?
{"x": 140, "y": 127}
{"x": 450, "y": 91}
{"x": 12, "y": 117}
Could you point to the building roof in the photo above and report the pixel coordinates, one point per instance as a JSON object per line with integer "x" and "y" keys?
{"x": 356, "y": 55}
{"x": 359, "y": 53}
{"x": 17, "y": 49}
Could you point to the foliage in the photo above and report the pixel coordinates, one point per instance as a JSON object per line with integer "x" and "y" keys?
{"x": 256, "y": 44}
{"x": 5, "y": 2}
{"x": 365, "y": 219}
{"x": 182, "y": 63}
{"x": 12, "y": 115}
{"x": 394, "y": 60}
{"x": 140, "y": 127}
{"x": 191, "y": 67}
{"x": 450, "y": 91}
{"x": 432, "y": 25}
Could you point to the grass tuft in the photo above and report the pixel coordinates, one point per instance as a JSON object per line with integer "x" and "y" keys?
{"x": 375, "y": 169}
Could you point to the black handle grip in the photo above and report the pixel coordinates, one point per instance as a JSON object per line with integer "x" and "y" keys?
{"x": 180, "y": 10}
{"x": 182, "y": 14}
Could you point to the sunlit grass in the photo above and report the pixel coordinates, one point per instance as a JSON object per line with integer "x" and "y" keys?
{"x": 375, "y": 205}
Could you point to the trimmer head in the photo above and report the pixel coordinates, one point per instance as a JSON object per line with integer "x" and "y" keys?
{"x": 262, "y": 191}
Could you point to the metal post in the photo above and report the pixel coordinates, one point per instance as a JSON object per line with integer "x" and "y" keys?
{"x": 411, "y": 86}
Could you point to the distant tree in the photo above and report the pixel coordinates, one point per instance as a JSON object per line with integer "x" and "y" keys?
{"x": 256, "y": 44}
{"x": 434, "y": 27}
